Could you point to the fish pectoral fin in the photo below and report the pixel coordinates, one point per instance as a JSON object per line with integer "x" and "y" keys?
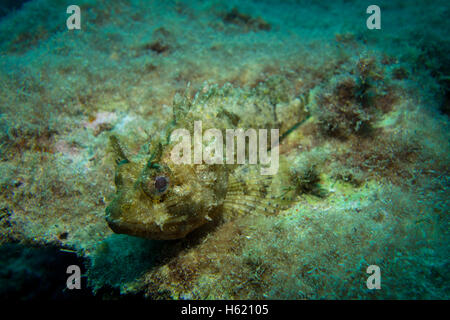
{"x": 257, "y": 195}
{"x": 235, "y": 205}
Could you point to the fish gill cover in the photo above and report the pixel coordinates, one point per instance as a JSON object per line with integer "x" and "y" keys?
{"x": 89, "y": 109}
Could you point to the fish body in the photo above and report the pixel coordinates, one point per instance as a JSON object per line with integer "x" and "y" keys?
{"x": 160, "y": 199}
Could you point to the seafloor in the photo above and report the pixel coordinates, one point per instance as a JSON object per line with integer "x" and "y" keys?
{"x": 370, "y": 167}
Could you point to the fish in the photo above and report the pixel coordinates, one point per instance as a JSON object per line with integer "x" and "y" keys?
{"x": 159, "y": 199}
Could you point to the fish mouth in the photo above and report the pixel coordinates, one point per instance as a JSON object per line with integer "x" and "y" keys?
{"x": 132, "y": 229}
{"x": 128, "y": 219}
{"x": 112, "y": 218}
{"x": 116, "y": 223}
{"x": 143, "y": 230}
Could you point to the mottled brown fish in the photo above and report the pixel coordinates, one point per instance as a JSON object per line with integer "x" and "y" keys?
{"x": 158, "y": 199}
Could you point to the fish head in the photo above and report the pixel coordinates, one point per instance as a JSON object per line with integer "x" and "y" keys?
{"x": 161, "y": 200}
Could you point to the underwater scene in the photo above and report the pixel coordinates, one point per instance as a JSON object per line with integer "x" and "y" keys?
{"x": 212, "y": 150}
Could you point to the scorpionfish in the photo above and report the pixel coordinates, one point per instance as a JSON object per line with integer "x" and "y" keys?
{"x": 159, "y": 199}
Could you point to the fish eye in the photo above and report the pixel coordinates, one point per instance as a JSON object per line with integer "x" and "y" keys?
{"x": 155, "y": 186}
{"x": 161, "y": 183}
